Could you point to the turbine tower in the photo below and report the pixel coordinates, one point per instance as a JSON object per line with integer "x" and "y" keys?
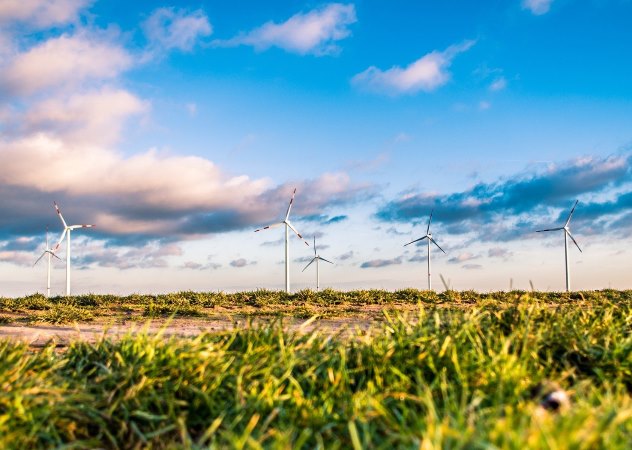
{"x": 316, "y": 258}
{"x": 430, "y": 239}
{"x": 288, "y": 226}
{"x": 567, "y": 234}
{"x": 66, "y": 234}
{"x": 47, "y": 251}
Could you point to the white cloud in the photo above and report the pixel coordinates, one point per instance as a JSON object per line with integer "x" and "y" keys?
{"x": 498, "y": 84}
{"x": 65, "y": 60}
{"x": 426, "y": 74}
{"x": 91, "y": 118}
{"x": 315, "y": 32}
{"x": 41, "y": 13}
{"x": 537, "y": 7}
{"x": 169, "y": 29}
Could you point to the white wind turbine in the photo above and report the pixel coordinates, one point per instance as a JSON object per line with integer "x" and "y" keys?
{"x": 288, "y": 226}
{"x": 66, "y": 233}
{"x": 47, "y": 251}
{"x": 316, "y": 258}
{"x": 430, "y": 239}
{"x": 567, "y": 234}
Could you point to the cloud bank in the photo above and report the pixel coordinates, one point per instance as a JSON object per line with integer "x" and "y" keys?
{"x": 510, "y": 208}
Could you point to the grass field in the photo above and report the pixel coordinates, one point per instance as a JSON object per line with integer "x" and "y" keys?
{"x": 459, "y": 370}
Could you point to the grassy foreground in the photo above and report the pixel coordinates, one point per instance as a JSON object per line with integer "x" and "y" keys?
{"x": 445, "y": 376}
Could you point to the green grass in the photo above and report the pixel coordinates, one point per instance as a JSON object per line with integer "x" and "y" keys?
{"x": 303, "y": 304}
{"x": 457, "y": 373}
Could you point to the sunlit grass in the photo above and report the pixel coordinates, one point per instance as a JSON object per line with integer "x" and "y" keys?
{"x": 302, "y": 304}
{"x": 440, "y": 377}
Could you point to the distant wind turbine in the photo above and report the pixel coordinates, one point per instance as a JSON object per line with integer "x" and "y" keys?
{"x": 288, "y": 226}
{"x": 430, "y": 239}
{"x": 47, "y": 251}
{"x": 316, "y": 258}
{"x": 66, "y": 234}
{"x": 567, "y": 234}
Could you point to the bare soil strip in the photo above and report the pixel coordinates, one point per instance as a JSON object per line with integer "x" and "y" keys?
{"x": 63, "y": 335}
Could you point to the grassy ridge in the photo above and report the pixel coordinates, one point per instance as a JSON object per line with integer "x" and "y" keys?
{"x": 449, "y": 377}
{"x": 305, "y": 304}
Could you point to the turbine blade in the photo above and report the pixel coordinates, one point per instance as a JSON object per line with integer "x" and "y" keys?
{"x": 576, "y": 244}
{"x": 59, "y": 214}
{"x": 274, "y": 225}
{"x": 315, "y": 245}
{"x": 38, "y": 259}
{"x": 295, "y": 231}
{"x": 61, "y": 238}
{"x": 289, "y": 207}
{"x": 416, "y": 240}
{"x": 571, "y": 214}
{"x": 53, "y": 253}
{"x": 550, "y": 229}
{"x": 435, "y": 243}
{"x": 323, "y": 259}
{"x": 309, "y": 264}
{"x": 445, "y": 285}
{"x": 429, "y": 220}
{"x": 74, "y": 227}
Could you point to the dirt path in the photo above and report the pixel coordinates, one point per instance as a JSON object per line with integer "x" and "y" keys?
{"x": 62, "y": 335}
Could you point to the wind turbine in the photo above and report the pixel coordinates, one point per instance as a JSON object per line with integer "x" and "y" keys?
{"x": 66, "y": 233}
{"x": 47, "y": 251}
{"x": 316, "y": 258}
{"x": 288, "y": 226}
{"x": 567, "y": 234}
{"x": 430, "y": 239}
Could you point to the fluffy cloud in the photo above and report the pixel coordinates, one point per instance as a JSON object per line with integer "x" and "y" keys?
{"x": 315, "y": 32}
{"x": 513, "y": 207}
{"x": 426, "y": 74}
{"x": 169, "y": 29}
{"x": 63, "y": 61}
{"x": 41, "y": 13}
{"x": 537, "y": 7}
{"x": 91, "y": 118}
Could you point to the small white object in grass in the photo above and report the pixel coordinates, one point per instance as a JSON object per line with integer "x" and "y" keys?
{"x": 555, "y": 401}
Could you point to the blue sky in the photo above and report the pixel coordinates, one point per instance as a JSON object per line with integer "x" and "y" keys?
{"x": 179, "y": 128}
